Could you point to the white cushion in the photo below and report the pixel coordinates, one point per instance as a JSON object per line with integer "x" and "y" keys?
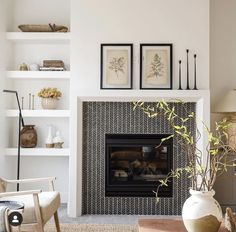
{"x": 49, "y": 203}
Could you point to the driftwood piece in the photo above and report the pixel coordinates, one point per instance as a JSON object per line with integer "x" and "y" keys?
{"x": 42, "y": 28}
{"x": 230, "y": 220}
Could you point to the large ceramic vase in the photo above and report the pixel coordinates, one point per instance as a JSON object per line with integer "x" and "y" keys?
{"x": 201, "y": 212}
{"x": 49, "y": 103}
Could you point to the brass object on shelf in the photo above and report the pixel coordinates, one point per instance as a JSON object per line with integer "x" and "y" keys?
{"x": 23, "y": 67}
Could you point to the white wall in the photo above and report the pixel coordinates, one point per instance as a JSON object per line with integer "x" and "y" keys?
{"x": 185, "y": 23}
{"x": 223, "y": 75}
{"x": 223, "y": 48}
{"x": 5, "y": 164}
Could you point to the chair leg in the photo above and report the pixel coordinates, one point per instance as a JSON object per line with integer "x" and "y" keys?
{"x": 38, "y": 213}
{"x": 57, "y": 221}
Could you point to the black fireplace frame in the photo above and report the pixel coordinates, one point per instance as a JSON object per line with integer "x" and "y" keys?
{"x": 137, "y": 190}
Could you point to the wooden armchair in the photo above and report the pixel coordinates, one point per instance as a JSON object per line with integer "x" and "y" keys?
{"x": 39, "y": 206}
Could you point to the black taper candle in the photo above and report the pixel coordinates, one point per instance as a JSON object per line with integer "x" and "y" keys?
{"x": 180, "y": 87}
{"x": 195, "y": 72}
{"x": 187, "y": 71}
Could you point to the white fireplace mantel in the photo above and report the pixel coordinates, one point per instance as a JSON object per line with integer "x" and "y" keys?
{"x": 201, "y": 97}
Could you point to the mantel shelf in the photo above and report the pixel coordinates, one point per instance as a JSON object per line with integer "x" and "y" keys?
{"x": 143, "y": 95}
{"x": 49, "y": 37}
{"x": 45, "y": 152}
{"x": 38, "y": 74}
{"x": 39, "y": 113}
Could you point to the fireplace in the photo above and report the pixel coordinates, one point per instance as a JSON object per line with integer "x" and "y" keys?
{"x": 101, "y": 119}
{"x": 135, "y": 163}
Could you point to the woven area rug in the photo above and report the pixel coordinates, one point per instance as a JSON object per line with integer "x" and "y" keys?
{"x": 92, "y": 228}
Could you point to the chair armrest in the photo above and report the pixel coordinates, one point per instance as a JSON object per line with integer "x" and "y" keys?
{"x": 30, "y": 180}
{"x": 10, "y": 194}
{"x": 34, "y": 180}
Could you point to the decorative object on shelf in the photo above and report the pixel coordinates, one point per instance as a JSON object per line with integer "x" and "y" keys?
{"x": 188, "y": 88}
{"x": 34, "y": 67}
{"x": 49, "y": 140}
{"x": 29, "y": 101}
{"x": 49, "y": 97}
{"x": 57, "y": 140}
{"x": 22, "y": 103}
{"x": 180, "y": 86}
{"x": 28, "y": 136}
{"x": 42, "y": 28}
{"x": 116, "y": 66}
{"x": 23, "y": 67}
{"x": 51, "y": 68}
{"x": 195, "y": 72}
{"x": 53, "y": 65}
{"x": 230, "y": 220}
{"x": 201, "y": 212}
{"x": 155, "y": 66}
{"x": 33, "y": 102}
{"x": 21, "y": 123}
{"x": 226, "y": 105}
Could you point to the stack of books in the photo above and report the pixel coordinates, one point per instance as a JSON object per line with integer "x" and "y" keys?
{"x": 52, "y": 65}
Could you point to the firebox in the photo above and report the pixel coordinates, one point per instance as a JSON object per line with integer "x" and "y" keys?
{"x": 136, "y": 162}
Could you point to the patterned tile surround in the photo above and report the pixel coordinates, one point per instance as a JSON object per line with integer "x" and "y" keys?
{"x": 100, "y": 118}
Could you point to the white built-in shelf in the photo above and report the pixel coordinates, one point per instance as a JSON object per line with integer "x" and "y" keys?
{"x": 45, "y": 152}
{"x": 38, "y": 74}
{"x": 39, "y": 113}
{"x": 48, "y": 37}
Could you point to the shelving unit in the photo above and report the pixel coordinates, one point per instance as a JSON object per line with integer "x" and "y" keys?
{"x": 44, "y": 152}
{"x": 39, "y": 113}
{"x": 39, "y": 37}
{"x": 38, "y": 75}
{"x": 33, "y": 48}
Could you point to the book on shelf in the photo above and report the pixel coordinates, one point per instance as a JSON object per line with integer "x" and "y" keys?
{"x": 52, "y": 69}
{"x": 53, "y": 63}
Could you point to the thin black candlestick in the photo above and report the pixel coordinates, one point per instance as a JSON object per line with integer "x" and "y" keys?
{"x": 187, "y": 71}
{"x": 195, "y": 72}
{"x": 180, "y": 87}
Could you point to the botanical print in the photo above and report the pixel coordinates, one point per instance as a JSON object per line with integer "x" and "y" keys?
{"x": 117, "y": 67}
{"x": 156, "y": 72}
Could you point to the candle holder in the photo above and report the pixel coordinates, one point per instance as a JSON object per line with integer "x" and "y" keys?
{"x": 188, "y": 88}
{"x": 180, "y": 84}
{"x": 195, "y": 72}
{"x": 29, "y": 101}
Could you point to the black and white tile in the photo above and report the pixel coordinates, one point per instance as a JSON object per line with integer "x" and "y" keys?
{"x": 100, "y": 118}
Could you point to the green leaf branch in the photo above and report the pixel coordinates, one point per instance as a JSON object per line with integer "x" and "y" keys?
{"x": 202, "y": 171}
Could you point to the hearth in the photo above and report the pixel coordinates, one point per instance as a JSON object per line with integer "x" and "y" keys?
{"x": 135, "y": 163}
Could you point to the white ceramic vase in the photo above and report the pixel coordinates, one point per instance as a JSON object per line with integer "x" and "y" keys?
{"x": 49, "y": 140}
{"x": 201, "y": 212}
{"x": 49, "y": 103}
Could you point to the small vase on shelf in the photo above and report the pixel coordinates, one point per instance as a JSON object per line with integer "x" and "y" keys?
{"x": 57, "y": 140}
{"x": 49, "y": 103}
{"x": 49, "y": 140}
{"x": 28, "y": 137}
{"x": 50, "y": 97}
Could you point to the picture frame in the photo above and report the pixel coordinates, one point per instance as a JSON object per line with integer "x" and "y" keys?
{"x": 116, "y": 66}
{"x": 155, "y": 66}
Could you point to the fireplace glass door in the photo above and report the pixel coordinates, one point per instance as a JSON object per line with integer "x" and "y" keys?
{"x": 135, "y": 164}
